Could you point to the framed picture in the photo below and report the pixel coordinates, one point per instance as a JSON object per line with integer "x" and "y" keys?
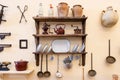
{"x": 23, "y": 44}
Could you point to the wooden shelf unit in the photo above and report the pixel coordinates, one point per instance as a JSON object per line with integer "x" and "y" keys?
{"x": 37, "y": 36}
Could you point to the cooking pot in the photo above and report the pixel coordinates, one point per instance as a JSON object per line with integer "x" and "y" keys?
{"x": 63, "y": 9}
{"x": 77, "y": 11}
{"x": 109, "y": 17}
{"x": 21, "y": 65}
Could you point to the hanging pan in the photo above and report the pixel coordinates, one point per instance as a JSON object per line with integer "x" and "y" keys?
{"x": 40, "y": 73}
{"x": 110, "y": 59}
{"x": 47, "y": 73}
{"x": 91, "y": 72}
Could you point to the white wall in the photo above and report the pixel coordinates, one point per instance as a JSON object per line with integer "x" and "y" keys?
{"x": 97, "y": 39}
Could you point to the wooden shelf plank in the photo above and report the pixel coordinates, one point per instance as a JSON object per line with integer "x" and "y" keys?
{"x": 16, "y": 72}
{"x": 65, "y": 35}
{"x": 60, "y": 19}
{"x": 62, "y": 53}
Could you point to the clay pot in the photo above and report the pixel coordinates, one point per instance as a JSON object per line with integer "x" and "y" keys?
{"x": 77, "y": 11}
{"x": 63, "y": 9}
{"x": 21, "y": 65}
{"x": 109, "y": 17}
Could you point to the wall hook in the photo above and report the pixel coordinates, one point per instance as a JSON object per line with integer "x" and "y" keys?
{"x": 2, "y": 35}
{"x": 1, "y": 13}
{"x": 2, "y": 46}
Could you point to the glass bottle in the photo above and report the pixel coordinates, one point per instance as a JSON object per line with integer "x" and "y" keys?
{"x": 40, "y": 9}
{"x": 50, "y": 11}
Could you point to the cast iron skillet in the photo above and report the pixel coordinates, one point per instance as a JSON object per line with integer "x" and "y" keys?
{"x": 110, "y": 59}
{"x": 91, "y": 72}
{"x": 47, "y": 73}
{"x": 40, "y": 73}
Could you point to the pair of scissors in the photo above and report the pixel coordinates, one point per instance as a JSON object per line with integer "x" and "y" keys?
{"x": 23, "y": 16}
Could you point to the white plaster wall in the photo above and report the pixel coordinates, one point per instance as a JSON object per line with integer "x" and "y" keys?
{"x": 97, "y": 39}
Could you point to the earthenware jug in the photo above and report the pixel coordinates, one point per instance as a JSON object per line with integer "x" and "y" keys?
{"x": 63, "y": 9}
{"x": 77, "y": 11}
{"x": 109, "y": 17}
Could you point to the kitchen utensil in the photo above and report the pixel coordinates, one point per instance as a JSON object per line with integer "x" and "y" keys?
{"x": 61, "y": 46}
{"x": 21, "y": 65}
{"x": 4, "y": 66}
{"x": 58, "y": 74}
{"x": 74, "y": 50}
{"x": 47, "y": 73}
{"x": 59, "y": 29}
{"x": 63, "y": 9}
{"x": 67, "y": 62}
{"x": 110, "y": 59}
{"x": 44, "y": 48}
{"x": 38, "y": 48}
{"x": 91, "y": 72}
{"x": 23, "y": 16}
{"x": 83, "y": 73}
{"x": 1, "y": 13}
{"x": 77, "y": 11}
{"x": 109, "y": 17}
{"x": 82, "y": 48}
{"x": 40, "y": 73}
{"x": 49, "y": 49}
{"x": 45, "y": 28}
{"x": 83, "y": 59}
{"x": 80, "y": 60}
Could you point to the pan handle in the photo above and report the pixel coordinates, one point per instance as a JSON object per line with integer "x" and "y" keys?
{"x": 109, "y": 46}
{"x": 83, "y": 59}
{"x": 91, "y": 61}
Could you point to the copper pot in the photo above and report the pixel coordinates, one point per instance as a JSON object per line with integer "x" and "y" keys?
{"x": 77, "y": 11}
{"x": 21, "y": 65}
{"x": 63, "y": 9}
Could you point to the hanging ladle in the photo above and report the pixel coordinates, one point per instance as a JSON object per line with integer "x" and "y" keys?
{"x": 47, "y": 73}
{"x": 40, "y": 73}
{"x": 91, "y": 72}
{"x": 110, "y": 59}
{"x": 58, "y": 74}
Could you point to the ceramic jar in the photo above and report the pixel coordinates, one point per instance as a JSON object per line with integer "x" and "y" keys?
{"x": 63, "y": 9}
{"x": 109, "y": 17}
{"x": 77, "y": 11}
{"x": 21, "y": 65}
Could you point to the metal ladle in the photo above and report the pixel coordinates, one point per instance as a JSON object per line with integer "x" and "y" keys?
{"x": 47, "y": 73}
{"x": 40, "y": 73}
{"x": 58, "y": 74}
{"x": 91, "y": 72}
{"x": 110, "y": 59}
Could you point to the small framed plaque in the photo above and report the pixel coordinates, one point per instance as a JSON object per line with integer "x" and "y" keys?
{"x": 23, "y": 44}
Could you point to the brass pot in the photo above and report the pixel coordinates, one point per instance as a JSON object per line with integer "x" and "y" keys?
{"x": 77, "y": 11}
{"x": 63, "y": 9}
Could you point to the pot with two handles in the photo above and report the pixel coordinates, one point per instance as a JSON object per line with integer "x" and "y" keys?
{"x": 21, "y": 65}
{"x": 77, "y": 10}
{"x": 109, "y": 17}
{"x": 63, "y": 9}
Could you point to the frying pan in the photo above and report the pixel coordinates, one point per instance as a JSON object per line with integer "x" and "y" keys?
{"x": 40, "y": 73}
{"x": 110, "y": 59}
{"x": 47, "y": 73}
{"x": 91, "y": 72}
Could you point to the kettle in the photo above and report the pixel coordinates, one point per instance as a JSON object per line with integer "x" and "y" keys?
{"x": 109, "y": 17}
{"x": 21, "y": 65}
{"x": 59, "y": 29}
